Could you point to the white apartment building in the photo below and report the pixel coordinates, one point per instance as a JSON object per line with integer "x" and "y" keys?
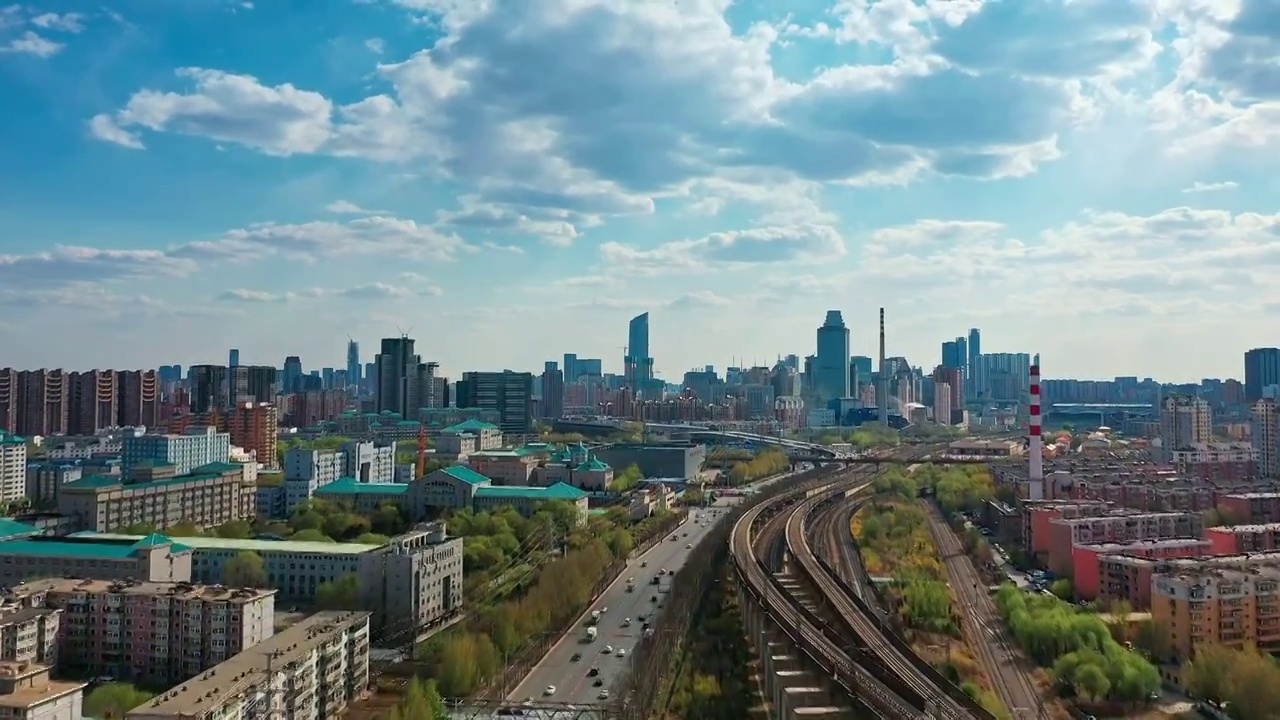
{"x": 13, "y": 467}
{"x": 1265, "y": 426}
{"x": 197, "y": 447}
{"x": 307, "y": 470}
{"x": 1184, "y": 422}
{"x": 312, "y": 671}
{"x": 369, "y": 462}
{"x": 83, "y": 448}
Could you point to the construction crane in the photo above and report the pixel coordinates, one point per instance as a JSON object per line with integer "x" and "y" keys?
{"x": 421, "y": 468}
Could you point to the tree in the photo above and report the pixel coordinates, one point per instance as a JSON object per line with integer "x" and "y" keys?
{"x": 236, "y": 529}
{"x": 112, "y": 700}
{"x": 626, "y": 479}
{"x": 1208, "y": 675}
{"x": 310, "y": 535}
{"x": 246, "y": 569}
{"x": 183, "y": 529}
{"x": 340, "y": 594}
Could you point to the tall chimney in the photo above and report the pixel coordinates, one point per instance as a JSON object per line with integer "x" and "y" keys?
{"x": 1035, "y": 444}
{"x": 882, "y": 392}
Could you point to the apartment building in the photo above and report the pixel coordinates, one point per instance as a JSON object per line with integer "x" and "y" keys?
{"x": 1264, "y": 431}
{"x": 29, "y": 634}
{"x": 9, "y": 403}
{"x": 1184, "y": 422}
{"x": 313, "y": 670}
{"x": 83, "y": 448}
{"x": 1087, "y": 567}
{"x": 28, "y": 693}
{"x": 306, "y": 470}
{"x": 1258, "y": 508}
{"x": 1037, "y": 514}
{"x": 1119, "y": 527}
{"x": 255, "y": 426}
{"x": 46, "y": 478}
{"x": 1217, "y": 461}
{"x": 94, "y": 402}
{"x": 154, "y": 558}
{"x": 1232, "y": 607}
{"x": 44, "y": 402}
{"x": 13, "y": 467}
{"x": 369, "y": 462}
{"x": 207, "y": 496}
{"x": 152, "y": 633}
{"x": 1244, "y": 539}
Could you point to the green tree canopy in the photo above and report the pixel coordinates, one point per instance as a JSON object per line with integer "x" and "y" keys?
{"x": 112, "y": 700}
{"x": 246, "y": 569}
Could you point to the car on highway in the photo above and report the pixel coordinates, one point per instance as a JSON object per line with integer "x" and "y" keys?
{"x": 551, "y": 690}
{"x": 593, "y": 672}
{"x": 604, "y": 694}
{"x": 626, "y": 622}
{"x": 688, "y": 547}
{"x": 608, "y": 650}
{"x": 576, "y": 657}
{"x": 622, "y": 652}
{"x": 598, "y": 682}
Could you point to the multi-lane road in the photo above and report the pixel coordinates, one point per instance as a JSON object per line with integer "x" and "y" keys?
{"x": 572, "y": 679}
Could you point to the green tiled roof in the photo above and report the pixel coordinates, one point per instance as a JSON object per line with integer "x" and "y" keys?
{"x": 101, "y": 481}
{"x": 470, "y": 425}
{"x": 12, "y": 528}
{"x": 349, "y": 486}
{"x": 88, "y": 550}
{"x": 216, "y": 468}
{"x": 5, "y": 437}
{"x": 465, "y": 474}
{"x": 153, "y": 540}
{"x": 93, "y": 481}
{"x": 559, "y": 491}
{"x": 593, "y": 465}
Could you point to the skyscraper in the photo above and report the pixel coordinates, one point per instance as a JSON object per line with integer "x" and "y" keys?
{"x": 831, "y": 368}
{"x": 552, "y": 391}
{"x": 637, "y": 363}
{"x": 404, "y": 382}
{"x": 233, "y": 358}
{"x": 508, "y": 393}
{"x": 1261, "y": 370}
{"x": 353, "y": 363}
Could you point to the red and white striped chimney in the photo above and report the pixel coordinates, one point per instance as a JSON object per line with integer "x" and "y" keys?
{"x": 1035, "y": 443}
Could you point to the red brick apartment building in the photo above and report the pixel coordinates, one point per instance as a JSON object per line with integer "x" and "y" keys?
{"x": 1089, "y": 574}
{"x": 1239, "y": 539}
{"x": 1120, "y": 527}
{"x": 1257, "y": 508}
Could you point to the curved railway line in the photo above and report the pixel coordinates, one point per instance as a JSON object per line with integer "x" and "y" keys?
{"x": 792, "y": 541}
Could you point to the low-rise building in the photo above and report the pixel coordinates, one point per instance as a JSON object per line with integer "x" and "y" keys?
{"x": 507, "y": 467}
{"x": 152, "y": 558}
{"x": 1257, "y": 508}
{"x": 369, "y": 462}
{"x": 475, "y": 433}
{"x": 1217, "y": 461}
{"x": 986, "y": 448}
{"x": 152, "y": 633}
{"x": 208, "y": 496}
{"x": 1231, "y": 607}
{"x": 307, "y": 470}
{"x": 1117, "y": 527}
{"x": 28, "y": 693}
{"x": 29, "y": 634}
{"x": 314, "y": 670}
{"x": 577, "y": 467}
{"x": 1086, "y": 559}
{"x": 663, "y": 460}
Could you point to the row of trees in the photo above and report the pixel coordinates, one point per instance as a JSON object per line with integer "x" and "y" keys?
{"x": 314, "y": 520}
{"x": 765, "y": 463}
{"x": 863, "y": 437}
{"x": 112, "y": 700}
{"x": 628, "y": 478}
{"x": 715, "y": 682}
{"x": 421, "y": 701}
{"x": 1078, "y": 645}
{"x": 1244, "y": 682}
{"x": 958, "y": 488}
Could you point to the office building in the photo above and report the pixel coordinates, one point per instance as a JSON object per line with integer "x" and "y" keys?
{"x": 831, "y": 368}
{"x": 208, "y": 387}
{"x": 552, "y": 391}
{"x": 208, "y": 496}
{"x": 1184, "y": 422}
{"x": 637, "y": 364}
{"x": 313, "y": 670}
{"x": 369, "y": 462}
{"x": 1002, "y": 377}
{"x": 508, "y": 393}
{"x": 405, "y": 383}
{"x": 1261, "y": 371}
{"x": 307, "y": 470}
{"x": 233, "y": 358}
{"x": 45, "y": 479}
{"x": 413, "y": 582}
{"x": 152, "y": 558}
{"x": 199, "y": 446}
{"x": 139, "y": 398}
{"x": 354, "y": 375}
{"x": 251, "y": 384}
{"x": 13, "y": 467}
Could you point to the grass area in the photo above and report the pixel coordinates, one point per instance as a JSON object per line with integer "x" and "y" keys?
{"x": 894, "y": 539}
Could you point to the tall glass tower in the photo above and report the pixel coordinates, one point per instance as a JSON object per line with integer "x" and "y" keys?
{"x": 353, "y": 362}
{"x": 637, "y": 361}
{"x": 831, "y": 368}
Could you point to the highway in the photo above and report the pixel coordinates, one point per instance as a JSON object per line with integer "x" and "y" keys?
{"x": 1009, "y": 672}
{"x": 570, "y": 677}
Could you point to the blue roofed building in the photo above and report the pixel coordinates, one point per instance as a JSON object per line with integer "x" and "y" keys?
{"x": 210, "y": 495}
{"x": 154, "y": 558}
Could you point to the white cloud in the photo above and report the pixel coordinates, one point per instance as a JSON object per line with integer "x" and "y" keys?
{"x": 69, "y": 23}
{"x": 376, "y": 45}
{"x": 346, "y": 207}
{"x": 370, "y": 291}
{"x": 795, "y": 243}
{"x": 104, "y": 128}
{"x": 30, "y": 43}
{"x": 1200, "y": 187}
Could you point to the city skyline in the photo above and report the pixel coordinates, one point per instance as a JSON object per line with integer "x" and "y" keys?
{"x": 1105, "y": 201}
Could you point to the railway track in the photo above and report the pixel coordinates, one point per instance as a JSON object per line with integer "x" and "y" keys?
{"x": 853, "y": 643}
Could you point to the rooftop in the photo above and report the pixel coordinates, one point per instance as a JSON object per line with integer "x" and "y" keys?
{"x": 248, "y": 670}
{"x": 465, "y": 474}
{"x": 470, "y": 426}
{"x": 237, "y": 545}
{"x": 40, "y": 692}
{"x": 184, "y": 590}
{"x": 212, "y": 471}
{"x": 12, "y": 528}
{"x": 559, "y": 491}
{"x": 6, "y": 438}
{"x": 1239, "y": 529}
{"x": 120, "y": 547}
{"x": 348, "y": 486}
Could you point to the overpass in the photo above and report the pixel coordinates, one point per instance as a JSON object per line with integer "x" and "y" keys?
{"x": 791, "y": 446}
{"x": 893, "y": 460}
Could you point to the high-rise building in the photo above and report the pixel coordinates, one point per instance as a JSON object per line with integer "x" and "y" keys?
{"x": 139, "y": 402}
{"x": 1184, "y": 422}
{"x": 353, "y": 363}
{"x": 975, "y": 349}
{"x": 831, "y": 369}
{"x": 951, "y": 355}
{"x": 405, "y": 383}
{"x": 552, "y": 391}
{"x": 9, "y": 399}
{"x": 45, "y": 396}
{"x": 570, "y": 367}
{"x": 94, "y": 402}
{"x": 1265, "y": 424}
{"x": 255, "y": 427}
{"x": 13, "y": 467}
{"x": 251, "y": 384}
{"x": 233, "y": 358}
{"x": 199, "y": 446}
{"x": 508, "y": 393}
{"x": 637, "y": 363}
{"x": 208, "y": 388}
{"x": 291, "y": 380}
{"x": 1261, "y": 370}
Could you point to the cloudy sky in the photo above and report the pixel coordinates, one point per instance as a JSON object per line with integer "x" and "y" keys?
{"x": 512, "y": 179}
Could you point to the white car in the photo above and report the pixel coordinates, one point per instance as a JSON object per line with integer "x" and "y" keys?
{"x": 604, "y": 695}
{"x": 622, "y": 652}
{"x": 626, "y": 622}
{"x": 608, "y": 650}
{"x": 551, "y": 690}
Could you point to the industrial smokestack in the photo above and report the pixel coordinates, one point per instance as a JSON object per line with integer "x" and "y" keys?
{"x": 882, "y": 392}
{"x": 1035, "y": 443}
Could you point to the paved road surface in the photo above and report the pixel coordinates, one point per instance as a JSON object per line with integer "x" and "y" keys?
{"x": 570, "y": 677}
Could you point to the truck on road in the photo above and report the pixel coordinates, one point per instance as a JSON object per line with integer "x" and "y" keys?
{"x": 591, "y": 635}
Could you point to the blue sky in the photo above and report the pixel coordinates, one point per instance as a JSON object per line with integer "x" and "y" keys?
{"x": 1092, "y": 180}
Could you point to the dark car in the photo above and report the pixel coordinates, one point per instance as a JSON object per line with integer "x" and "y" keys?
{"x": 597, "y": 683}
{"x": 593, "y": 672}
{"x": 576, "y": 657}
